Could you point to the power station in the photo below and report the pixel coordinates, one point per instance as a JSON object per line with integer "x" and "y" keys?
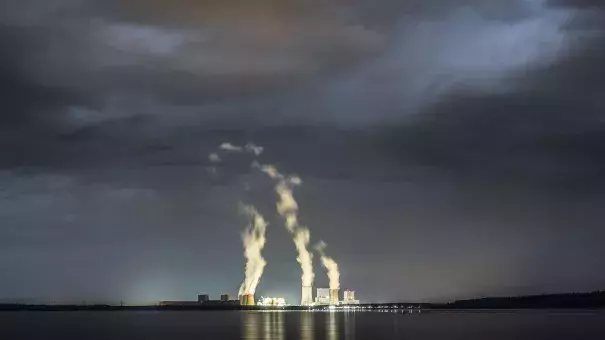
{"x": 324, "y": 297}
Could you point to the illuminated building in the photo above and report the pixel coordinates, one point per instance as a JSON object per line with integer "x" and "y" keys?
{"x": 272, "y": 301}
{"x": 306, "y": 296}
{"x": 323, "y": 296}
{"x": 349, "y": 298}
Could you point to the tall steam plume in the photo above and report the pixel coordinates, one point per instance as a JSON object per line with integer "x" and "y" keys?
{"x": 254, "y": 242}
{"x": 330, "y": 265}
{"x": 254, "y": 235}
{"x": 288, "y": 209}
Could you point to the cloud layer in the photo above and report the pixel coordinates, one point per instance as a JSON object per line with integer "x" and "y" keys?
{"x": 471, "y": 131}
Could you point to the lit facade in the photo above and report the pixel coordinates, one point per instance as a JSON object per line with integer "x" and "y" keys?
{"x": 323, "y": 296}
{"x": 349, "y": 298}
{"x": 272, "y": 301}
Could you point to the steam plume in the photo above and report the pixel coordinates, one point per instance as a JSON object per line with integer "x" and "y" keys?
{"x": 330, "y": 265}
{"x": 255, "y": 149}
{"x": 288, "y": 209}
{"x": 230, "y": 147}
{"x": 254, "y": 241}
{"x": 249, "y": 147}
{"x": 214, "y": 158}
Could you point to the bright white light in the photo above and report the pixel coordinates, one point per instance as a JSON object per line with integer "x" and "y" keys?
{"x": 272, "y": 301}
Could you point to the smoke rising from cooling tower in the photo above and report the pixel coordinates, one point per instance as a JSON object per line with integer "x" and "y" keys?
{"x": 230, "y": 147}
{"x": 214, "y": 158}
{"x": 249, "y": 147}
{"x": 330, "y": 265}
{"x": 287, "y": 207}
{"x": 253, "y": 236}
{"x": 254, "y": 242}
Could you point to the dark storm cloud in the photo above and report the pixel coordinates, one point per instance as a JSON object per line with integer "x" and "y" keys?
{"x": 210, "y": 56}
{"x": 547, "y": 127}
{"x": 457, "y": 142}
{"x": 186, "y": 53}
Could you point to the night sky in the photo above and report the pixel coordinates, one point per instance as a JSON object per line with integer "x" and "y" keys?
{"x": 448, "y": 149}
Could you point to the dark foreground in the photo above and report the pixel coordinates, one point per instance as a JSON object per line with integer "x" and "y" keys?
{"x": 475, "y": 325}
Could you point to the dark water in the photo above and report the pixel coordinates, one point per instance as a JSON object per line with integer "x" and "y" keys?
{"x": 302, "y": 325}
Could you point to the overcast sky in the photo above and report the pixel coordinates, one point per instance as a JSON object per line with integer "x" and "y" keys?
{"x": 448, "y": 149}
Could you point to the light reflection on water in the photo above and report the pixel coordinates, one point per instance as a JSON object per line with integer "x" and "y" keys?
{"x": 272, "y": 325}
{"x": 349, "y": 331}
{"x": 331, "y": 329}
{"x": 307, "y": 327}
{"x": 263, "y": 325}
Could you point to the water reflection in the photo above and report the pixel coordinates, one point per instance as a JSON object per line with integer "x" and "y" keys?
{"x": 272, "y": 325}
{"x": 251, "y": 323}
{"x": 263, "y": 325}
{"x": 307, "y": 326}
{"x": 349, "y": 325}
{"x": 331, "y": 326}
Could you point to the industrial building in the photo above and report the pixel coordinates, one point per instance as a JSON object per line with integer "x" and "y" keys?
{"x": 326, "y": 296}
{"x": 349, "y": 298}
{"x": 323, "y": 296}
{"x": 272, "y": 301}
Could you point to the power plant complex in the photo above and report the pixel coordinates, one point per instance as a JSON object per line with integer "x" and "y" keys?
{"x": 253, "y": 239}
{"x": 323, "y": 297}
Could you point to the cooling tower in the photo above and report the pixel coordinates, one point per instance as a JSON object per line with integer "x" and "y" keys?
{"x": 306, "y": 296}
{"x": 246, "y": 300}
{"x": 333, "y": 296}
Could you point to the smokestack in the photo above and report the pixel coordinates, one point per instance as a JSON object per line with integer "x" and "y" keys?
{"x": 333, "y": 297}
{"x": 246, "y": 300}
{"x": 306, "y": 296}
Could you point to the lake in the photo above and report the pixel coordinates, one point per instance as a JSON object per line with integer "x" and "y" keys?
{"x": 515, "y": 325}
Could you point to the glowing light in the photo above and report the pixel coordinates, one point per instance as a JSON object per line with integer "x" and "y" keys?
{"x": 272, "y": 301}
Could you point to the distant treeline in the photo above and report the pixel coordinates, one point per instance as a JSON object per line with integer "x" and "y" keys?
{"x": 546, "y": 301}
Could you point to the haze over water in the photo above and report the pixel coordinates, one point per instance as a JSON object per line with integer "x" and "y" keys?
{"x": 304, "y": 325}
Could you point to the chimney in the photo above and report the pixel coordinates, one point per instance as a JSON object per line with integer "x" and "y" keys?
{"x": 333, "y": 297}
{"x": 246, "y": 300}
